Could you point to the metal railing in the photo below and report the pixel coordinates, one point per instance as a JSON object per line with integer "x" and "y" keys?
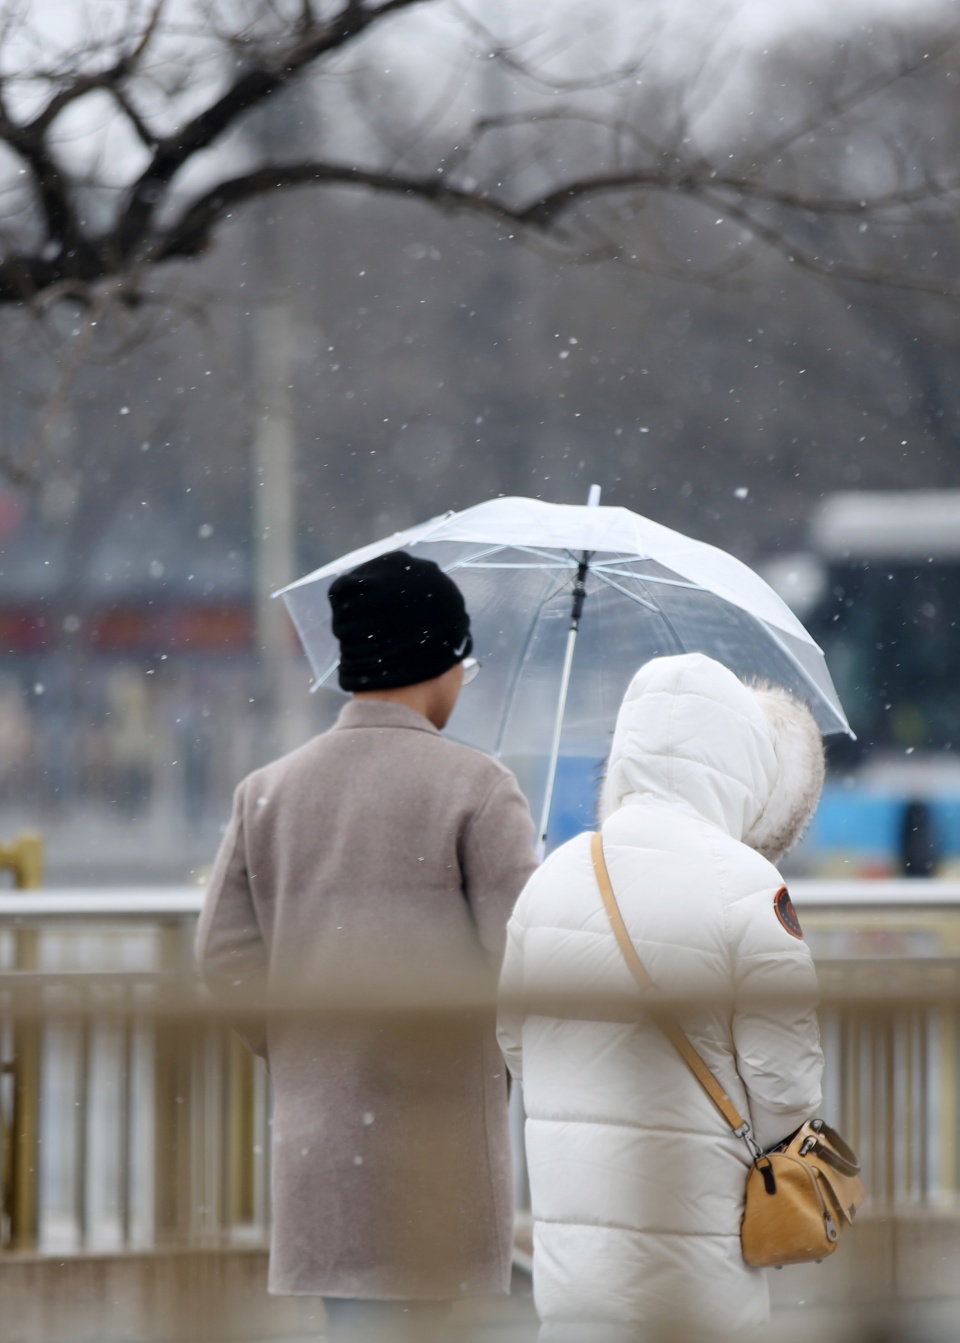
{"x": 121, "y": 1125}
{"x": 19, "y": 1157}
{"x": 888, "y": 955}
{"x": 132, "y": 1117}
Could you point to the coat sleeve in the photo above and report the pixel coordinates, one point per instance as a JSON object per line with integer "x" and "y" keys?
{"x": 230, "y": 952}
{"x": 510, "y": 1011}
{"x": 497, "y": 858}
{"x": 775, "y": 1030}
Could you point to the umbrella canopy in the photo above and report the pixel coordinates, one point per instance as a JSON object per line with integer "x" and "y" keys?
{"x": 650, "y": 591}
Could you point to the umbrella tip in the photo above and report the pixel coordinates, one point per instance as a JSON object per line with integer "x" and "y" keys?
{"x": 593, "y": 498}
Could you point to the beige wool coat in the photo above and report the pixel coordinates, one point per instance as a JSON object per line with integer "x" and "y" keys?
{"x": 378, "y": 850}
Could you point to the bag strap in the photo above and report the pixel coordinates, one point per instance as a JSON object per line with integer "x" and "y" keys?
{"x": 667, "y": 1023}
{"x": 835, "y": 1152}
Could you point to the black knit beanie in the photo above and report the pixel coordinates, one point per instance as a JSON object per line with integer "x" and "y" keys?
{"x": 399, "y": 620}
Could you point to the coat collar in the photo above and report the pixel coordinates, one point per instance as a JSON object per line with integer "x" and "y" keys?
{"x": 382, "y": 713}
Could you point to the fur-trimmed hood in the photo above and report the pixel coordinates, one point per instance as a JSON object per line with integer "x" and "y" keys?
{"x": 748, "y": 759}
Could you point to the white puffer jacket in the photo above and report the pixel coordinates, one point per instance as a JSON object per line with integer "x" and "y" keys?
{"x": 637, "y": 1181}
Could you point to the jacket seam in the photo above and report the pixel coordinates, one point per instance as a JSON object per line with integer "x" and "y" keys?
{"x": 427, "y": 727}
{"x": 467, "y": 830}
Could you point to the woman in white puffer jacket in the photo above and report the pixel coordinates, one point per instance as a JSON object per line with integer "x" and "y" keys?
{"x": 637, "y": 1182}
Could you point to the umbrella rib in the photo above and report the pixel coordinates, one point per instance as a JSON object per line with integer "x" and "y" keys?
{"x": 538, "y": 553}
{"x": 651, "y": 578}
{"x": 521, "y": 662}
{"x": 809, "y": 683}
{"x": 770, "y": 631}
{"x": 322, "y": 680}
{"x": 480, "y": 555}
{"x": 541, "y": 565}
{"x": 650, "y": 605}
{"x": 544, "y": 558}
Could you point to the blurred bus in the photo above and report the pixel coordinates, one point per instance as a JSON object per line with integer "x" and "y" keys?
{"x": 879, "y": 589}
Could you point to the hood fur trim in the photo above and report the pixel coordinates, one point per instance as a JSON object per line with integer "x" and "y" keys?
{"x": 800, "y": 771}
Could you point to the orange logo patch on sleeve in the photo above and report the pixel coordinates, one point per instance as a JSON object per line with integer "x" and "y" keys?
{"x": 785, "y": 912}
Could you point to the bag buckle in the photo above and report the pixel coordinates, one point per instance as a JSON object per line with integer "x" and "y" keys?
{"x": 753, "y": 1147}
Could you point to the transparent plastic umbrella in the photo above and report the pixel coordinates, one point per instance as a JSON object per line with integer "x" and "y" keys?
{"x": 566, "y": 602}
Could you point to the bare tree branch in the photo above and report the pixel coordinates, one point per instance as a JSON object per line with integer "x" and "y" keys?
{"x": 109, "y": 78}
{"x": 251, "y": 88}
{"x": 144, "y": 133}
{"x": 496, "y": 49}
{"x": 191, "y": 233}
{"x": 51, "y": 186}
{"x": 829, "y": 267}
{"x": 645, "y": 149}
{"x": 834, "y": 109}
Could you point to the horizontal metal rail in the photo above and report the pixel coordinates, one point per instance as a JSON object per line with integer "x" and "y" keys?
{"x": 907, "y": 893}
{"x": 162, "y": 902}
{"x": 152, "y": 903}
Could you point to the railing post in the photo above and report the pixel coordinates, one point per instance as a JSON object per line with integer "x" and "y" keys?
{"x": 946, "y": 1139}
{"x": 241, "y": 1205}
{"x": 24, "y": 858}
{"x": 173, "y": 1043}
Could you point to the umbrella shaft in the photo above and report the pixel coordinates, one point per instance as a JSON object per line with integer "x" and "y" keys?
{"x": 579, "y": 596}
{"x": 557, "y": 730}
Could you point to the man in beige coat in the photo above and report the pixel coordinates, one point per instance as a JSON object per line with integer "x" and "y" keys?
{"x": 371, "y": 858}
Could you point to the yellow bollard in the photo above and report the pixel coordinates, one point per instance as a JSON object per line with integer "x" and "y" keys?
{"x": 24, "y": 858}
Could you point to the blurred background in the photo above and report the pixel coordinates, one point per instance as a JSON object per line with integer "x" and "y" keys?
{"x": 700, "y": 254}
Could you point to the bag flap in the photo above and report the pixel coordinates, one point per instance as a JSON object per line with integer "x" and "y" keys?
{"x": 846, "y": 1191}
{"x": 821, "y": 1147}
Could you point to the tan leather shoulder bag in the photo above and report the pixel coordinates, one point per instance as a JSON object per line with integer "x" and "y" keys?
{"x": 800, "y": 1195}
